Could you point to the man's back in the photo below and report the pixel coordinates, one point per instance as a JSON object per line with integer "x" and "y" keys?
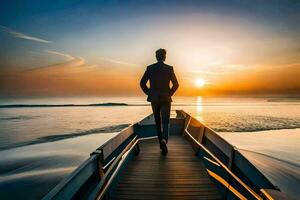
{"x": 159, "y": 75}
{"x": 159, "y": 94}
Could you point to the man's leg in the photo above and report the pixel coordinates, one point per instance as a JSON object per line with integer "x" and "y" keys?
{"x": 165, "y": 117}
{"x": 157, "y": 117}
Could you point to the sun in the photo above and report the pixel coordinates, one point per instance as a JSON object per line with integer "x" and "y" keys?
{"x": 199, "y": 82}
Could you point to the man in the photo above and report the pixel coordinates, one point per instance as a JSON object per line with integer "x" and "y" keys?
{"x": 159, "y": 94}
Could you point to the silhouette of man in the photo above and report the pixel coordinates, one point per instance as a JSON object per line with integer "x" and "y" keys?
{"x": 159, "y": 94}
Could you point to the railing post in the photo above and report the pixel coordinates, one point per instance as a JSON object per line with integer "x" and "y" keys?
{"x": 100, "y": 166}
{"x": 100, "y": 162}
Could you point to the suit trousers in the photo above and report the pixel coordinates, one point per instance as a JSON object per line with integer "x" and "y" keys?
{"x": 161, "y": 112}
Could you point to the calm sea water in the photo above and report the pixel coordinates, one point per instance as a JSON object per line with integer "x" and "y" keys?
{"x": 41, "y": 145}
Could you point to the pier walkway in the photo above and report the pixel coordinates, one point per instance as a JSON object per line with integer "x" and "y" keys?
{"x": 179, "y": 175}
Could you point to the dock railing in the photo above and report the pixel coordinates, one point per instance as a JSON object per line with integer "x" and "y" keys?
{"x": 235, "y": 176}
{"x": 92, "y": 178}
{"x": 233, "y": 173}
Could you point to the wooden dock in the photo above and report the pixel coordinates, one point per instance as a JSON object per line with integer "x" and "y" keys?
{"x": 179, "y": 175}
{"x": 200, "y": 165}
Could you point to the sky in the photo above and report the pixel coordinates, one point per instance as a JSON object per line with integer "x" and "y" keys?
{"x": 102, "y": 48}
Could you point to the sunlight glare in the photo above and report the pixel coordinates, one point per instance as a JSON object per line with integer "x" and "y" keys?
{"x": 199, "y": 82}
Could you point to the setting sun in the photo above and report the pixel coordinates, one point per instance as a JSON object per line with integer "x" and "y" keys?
{"x": 199, "y": 82}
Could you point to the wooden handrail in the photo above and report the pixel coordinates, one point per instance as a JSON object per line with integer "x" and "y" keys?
{"x": 222, "y": 165}
{"x": 108, "y": 164}
{"x": 103, "y": 181}
{"x": 124, "y": 156}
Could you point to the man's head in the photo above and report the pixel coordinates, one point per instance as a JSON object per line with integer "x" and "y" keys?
{"x": 161, "y": 55}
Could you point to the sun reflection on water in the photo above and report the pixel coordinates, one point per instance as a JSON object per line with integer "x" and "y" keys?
{"x": 199, "y": 108}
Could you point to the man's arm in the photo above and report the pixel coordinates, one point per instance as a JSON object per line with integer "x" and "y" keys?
{"x": 174, "y": 81}
{"x": 143, "y": 82}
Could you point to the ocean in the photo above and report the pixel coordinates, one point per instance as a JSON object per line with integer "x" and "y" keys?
{"x": 42, "y": 140}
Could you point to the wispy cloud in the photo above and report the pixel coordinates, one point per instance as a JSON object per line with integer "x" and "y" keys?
{"x": 67, "y": 56}
{"x": 23, "y": 36}
{"x": 118, "y": 62}
{"x": 222, "y": 69}
{"x": 278, "y": 66}
{"x": 75, "y": 62}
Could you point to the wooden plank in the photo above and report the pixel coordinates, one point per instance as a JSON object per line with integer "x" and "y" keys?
{"x": 179, "y": 175}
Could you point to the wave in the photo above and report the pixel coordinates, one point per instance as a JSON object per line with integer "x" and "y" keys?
{"x": 20, "y": 117}
{"x": 137, "y": 104}
{"x": 291, "y": 99}
{"x": 61, "y": 105}
{"x": 53, "y": 138}
{"x": 251, "y": 123}
{"x": 252, "y": 129}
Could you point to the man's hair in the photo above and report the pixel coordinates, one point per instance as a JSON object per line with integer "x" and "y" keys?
{"x": 161, "y": 54}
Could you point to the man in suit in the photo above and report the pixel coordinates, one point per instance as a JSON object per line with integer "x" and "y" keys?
{"x": 159, "y": 94}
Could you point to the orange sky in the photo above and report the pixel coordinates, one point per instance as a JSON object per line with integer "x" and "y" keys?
{"x": 77, "y": 78}
{"x": 232, "y": 50}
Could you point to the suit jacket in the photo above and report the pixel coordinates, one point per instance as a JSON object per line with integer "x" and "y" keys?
{"x": 160, "y": 75}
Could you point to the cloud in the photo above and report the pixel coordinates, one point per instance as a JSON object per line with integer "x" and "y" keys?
{"x": 203, "y": 72}
{"x": 118, "y": 62}
{"x": 23, "y": 36}
{"x": 67, "y": 56}
{"x": 74, "y": 62}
